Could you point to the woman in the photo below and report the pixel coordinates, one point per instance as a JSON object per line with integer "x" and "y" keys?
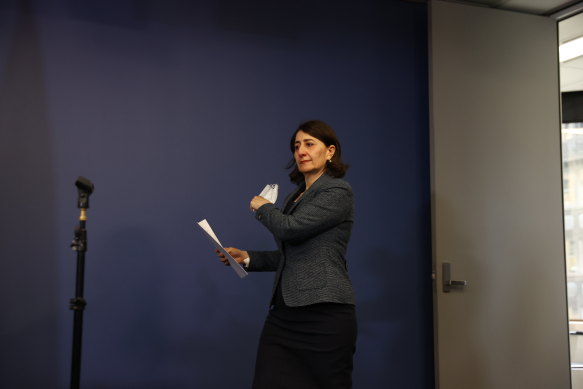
{"x": 310, "y": 332}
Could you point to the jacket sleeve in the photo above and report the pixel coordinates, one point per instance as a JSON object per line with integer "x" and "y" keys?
{"x": 327, "y": 208}
{"x": 263, "y": 260}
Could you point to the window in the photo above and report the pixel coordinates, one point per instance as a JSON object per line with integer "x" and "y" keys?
{"x": 572, "y": 143}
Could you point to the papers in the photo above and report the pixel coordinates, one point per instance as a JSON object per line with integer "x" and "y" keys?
{"x": 205, "y": 226}
{"x": 270, "y": 192}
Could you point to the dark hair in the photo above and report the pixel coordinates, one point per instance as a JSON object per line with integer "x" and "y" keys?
{"x": 323, "y": 132}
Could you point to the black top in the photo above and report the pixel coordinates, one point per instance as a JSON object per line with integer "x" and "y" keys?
{"x": 278, "y": 301}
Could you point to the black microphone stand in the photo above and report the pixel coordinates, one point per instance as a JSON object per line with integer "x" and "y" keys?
{"x": 78, "y": 303}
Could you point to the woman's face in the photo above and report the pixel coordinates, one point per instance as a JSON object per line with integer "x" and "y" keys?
{"x": 311, "y": 154}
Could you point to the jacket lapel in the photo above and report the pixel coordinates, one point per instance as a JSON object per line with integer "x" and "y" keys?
{"x": 308, "y": 194}
{"x": 291, "y": 198}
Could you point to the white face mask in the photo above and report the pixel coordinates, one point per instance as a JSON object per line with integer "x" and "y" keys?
{"x": 270, "y": 192}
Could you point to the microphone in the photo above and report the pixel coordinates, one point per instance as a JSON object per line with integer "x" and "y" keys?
{"x": 84, "y": 188}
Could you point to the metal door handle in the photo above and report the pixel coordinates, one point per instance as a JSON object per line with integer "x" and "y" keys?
{"x": 448, "y": 283}
{"x": 456, "y": 283}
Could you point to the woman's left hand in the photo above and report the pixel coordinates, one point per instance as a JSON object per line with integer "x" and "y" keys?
{"x": 257, "y": 202}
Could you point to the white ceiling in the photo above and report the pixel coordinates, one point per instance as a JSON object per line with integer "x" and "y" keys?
{"x": 569, "y": 29}
{"x": 539, "y": 7}
{"x": 571, "y": 71}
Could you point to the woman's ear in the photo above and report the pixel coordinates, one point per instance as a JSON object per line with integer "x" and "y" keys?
{"x": 331, "y": 151}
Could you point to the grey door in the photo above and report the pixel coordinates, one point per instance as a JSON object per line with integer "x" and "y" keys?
{"x": 497, "y": 200}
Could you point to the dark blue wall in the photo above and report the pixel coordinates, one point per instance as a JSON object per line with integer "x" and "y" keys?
{"x": 179, "y": 111}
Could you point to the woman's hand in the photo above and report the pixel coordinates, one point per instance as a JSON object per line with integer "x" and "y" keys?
{"x": 238, "y": 255}
{"x": 257, "y": 202}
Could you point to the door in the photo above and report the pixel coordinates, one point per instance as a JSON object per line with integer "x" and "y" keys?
{"x": 497, "y": 200}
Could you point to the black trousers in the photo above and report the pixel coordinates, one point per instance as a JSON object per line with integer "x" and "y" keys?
{"x": 307, "y": 348}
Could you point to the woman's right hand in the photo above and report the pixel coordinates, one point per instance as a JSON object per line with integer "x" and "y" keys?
{"x": 238, "y": 255}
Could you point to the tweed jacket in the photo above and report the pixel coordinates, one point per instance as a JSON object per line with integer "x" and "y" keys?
{"x": 312, "y": 239}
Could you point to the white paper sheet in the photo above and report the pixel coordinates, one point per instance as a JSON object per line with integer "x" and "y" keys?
{"x": 205, "y": 226}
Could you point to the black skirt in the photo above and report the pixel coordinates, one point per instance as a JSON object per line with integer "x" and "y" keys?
{"x": 307, "y": 347}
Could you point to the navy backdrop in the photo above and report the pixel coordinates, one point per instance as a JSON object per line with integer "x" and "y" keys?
{"x": 180, "y": 111}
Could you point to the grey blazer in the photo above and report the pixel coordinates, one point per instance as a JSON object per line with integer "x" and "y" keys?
{"x": 312, "y": 239}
